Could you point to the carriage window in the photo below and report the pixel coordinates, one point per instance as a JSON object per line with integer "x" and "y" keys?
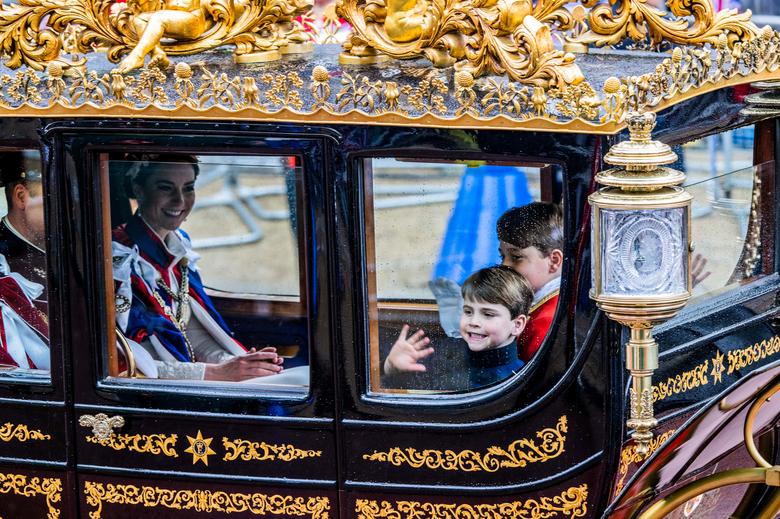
{"x": 444, "y": 314}
{"x": 24, "y": 322}
{"x": 208, "y": 272}
{"x": 729, "y": 228}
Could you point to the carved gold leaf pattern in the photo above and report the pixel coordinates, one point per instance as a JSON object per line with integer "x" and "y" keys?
{"x": 21, "y": 433}
{"x": 436, "y": 99}
{"x": 21, "y": 485}
{"x": 261, "y": 451}
{"x": 205, "y": 501}
{"x": 630, "y": 456}
{"x": 143, "y": 443}
{"x": 518, "y": 454}
{"x": 694, "y": 22}
{"x": 572, "y": 502}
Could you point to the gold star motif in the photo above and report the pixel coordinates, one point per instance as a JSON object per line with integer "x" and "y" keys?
{"x": 200, "y": 448}
{"x": 717, "y": 368}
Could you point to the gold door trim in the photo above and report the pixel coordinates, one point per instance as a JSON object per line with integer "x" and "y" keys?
{"x": 21, "y": 433}
{"x": 157, "y": 444}
{"x": 202, "y": 501}
{"x": 246, "y": 450}
{"x": 630, "y": 456}
{"x": 572, "y": 502}
{"x": 518, "y": 454}
{"x": 711, "y": 371}
{"x": 21, "y": 485}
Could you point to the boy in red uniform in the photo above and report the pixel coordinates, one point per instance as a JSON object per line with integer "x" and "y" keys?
{"x": 531, "y": 243}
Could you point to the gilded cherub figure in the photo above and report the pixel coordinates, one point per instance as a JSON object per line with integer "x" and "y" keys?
{"x": 154, "y": 20}
{"x": 407, "y": 20}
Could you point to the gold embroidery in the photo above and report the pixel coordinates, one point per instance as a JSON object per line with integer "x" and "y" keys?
{"x": 262, "y": 451}
{"x": 206, "y": 501}
{"x": 200, "y": 448}
{"x": 144, "y": 443}
{"x": 21, "y": 433}
{"x": 629, "y": 456}
{"x": 517, "y": 455}
{"x": 570, "y": 503}
{"x": 21, "y": 485}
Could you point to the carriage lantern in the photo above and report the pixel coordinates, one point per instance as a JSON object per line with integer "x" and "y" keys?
{"x": 640, "y": 238}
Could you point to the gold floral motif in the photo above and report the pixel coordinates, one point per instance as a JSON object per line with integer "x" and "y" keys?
{"x": 517, "y": 455}
{"x": 262, "y": 451}
{"x": 695, "y": 22}
{"x": 22, "y": 485}
{"x": 630, "y": 456}
{"x": 143, "y": 443}
{"x": 572, "y": 502}
{"x": 21, "y": 433}
{"x": 206, "y": 501}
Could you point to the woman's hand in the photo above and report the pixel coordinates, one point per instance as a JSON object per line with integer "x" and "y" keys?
{"x": 251, "y": 365}
{"x": 407, "y": 352}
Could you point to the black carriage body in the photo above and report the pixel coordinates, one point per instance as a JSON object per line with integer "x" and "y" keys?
{"x": 551, "y": 439}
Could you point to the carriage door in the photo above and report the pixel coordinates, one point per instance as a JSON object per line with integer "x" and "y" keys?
{"x": 194, "y": 275}
{"x": 35, "y": 480}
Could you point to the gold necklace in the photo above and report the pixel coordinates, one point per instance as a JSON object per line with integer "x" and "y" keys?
{"x": 182, "y": 299}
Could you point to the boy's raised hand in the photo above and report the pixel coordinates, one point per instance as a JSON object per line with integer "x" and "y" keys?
{"x": 407, "y": 352}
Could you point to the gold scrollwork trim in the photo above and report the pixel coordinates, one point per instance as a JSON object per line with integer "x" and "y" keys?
{"x": 21, "y": 485}
{"x": 711, "y": 370}
{"x": 261, "y": 451}
{"x": 435, "y": 99}
{"x": 572, "y": 502}
{"x": 205, "y": 501}
{"x": 630, "y": 456}
{"x": 21, "y": 433}
{"x": 143, "y": 443}
{"x": 742, "y": 358}
{"x": 517, "y": 455}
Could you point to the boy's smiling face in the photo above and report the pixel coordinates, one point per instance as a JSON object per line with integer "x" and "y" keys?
{"x": 531, "y": 263}
{"x": 485, "y": 326}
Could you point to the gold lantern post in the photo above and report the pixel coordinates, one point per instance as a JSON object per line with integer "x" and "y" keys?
{"x": 640, "y": 237}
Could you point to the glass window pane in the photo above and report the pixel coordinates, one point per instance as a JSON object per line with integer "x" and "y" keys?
{"x": 24, "y": 322}
{"x": 444, "y": 316}
{"x": 208, "y": 278}
{"x": 727, "y": 212}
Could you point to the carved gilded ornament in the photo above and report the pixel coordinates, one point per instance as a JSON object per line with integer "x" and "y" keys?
{"x": 22, "y": 485}
{"x": 435, "y": 99}
{"x": 571, "y": 503}
{"x": 694, "y": 22}
{"x": 630, "y": 456}
{"x": 515, "y": 37}
{"x": 203, "y": 501}
{"x": 20, "y": 433}
{"x": 141, "y": 27}
{"x": 157, "y": 444}
{"x": 518, "y": 454}
{"x": 261, "y": 451}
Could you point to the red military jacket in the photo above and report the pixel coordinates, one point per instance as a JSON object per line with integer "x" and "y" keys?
{"x": 539, "y": 320}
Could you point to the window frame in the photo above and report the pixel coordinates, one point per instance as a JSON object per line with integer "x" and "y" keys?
{"x": 362, "y": 166}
